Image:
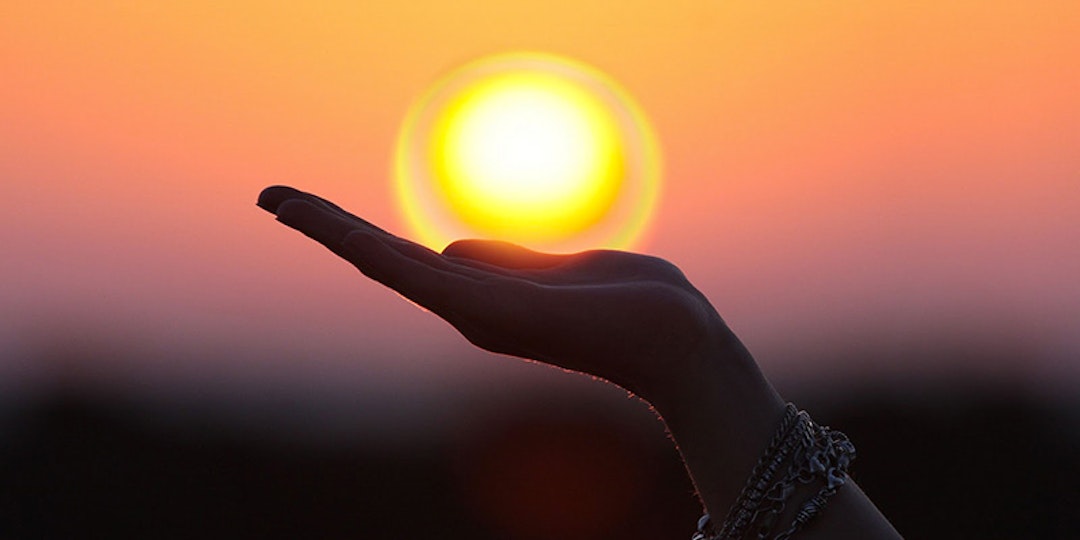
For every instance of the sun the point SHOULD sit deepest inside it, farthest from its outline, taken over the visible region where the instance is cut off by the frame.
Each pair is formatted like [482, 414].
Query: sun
[529, 156]
[529, 148]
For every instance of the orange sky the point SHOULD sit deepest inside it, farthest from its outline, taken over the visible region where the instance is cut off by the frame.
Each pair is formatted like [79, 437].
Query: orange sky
[833, 170]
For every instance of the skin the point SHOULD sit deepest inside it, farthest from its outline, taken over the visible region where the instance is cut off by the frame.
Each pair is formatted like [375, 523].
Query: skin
[632, 319]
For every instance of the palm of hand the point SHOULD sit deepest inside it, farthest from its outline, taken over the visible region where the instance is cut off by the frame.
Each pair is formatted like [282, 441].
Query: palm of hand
[632, 319]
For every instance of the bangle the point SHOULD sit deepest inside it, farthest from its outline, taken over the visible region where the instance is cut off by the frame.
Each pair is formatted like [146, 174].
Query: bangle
[816, 453]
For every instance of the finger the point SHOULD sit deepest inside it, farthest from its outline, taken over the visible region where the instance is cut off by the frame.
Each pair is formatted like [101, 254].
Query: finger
[326, 227]
[419, 274]
[503, 254]
[271, 199]
[476, 302]
[431, 258]
[330, 228]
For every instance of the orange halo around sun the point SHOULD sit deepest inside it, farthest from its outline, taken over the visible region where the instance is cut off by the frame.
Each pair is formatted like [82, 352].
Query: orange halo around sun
[530, 148]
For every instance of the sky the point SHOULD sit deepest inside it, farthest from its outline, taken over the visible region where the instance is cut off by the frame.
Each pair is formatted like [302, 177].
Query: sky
[836, 174]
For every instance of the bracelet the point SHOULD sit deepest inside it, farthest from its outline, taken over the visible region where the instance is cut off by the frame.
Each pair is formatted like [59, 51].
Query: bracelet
[744, 508]
[831, 463]
[742, 512]
[816, 453]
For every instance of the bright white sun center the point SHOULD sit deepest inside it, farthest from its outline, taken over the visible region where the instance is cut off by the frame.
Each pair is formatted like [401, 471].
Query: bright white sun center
[530, 155]
[524, 145]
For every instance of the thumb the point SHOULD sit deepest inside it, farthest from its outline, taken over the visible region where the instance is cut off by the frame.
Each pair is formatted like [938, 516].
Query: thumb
[502, 254]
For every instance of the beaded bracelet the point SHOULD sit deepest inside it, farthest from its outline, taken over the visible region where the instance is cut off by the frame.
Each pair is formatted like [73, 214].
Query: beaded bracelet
[816, 453]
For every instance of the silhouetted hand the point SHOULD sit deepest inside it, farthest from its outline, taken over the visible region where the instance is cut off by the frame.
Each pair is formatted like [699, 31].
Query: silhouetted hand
[632, 319]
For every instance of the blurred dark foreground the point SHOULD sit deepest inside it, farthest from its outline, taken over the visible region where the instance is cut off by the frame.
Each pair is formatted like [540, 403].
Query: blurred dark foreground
[980, 463]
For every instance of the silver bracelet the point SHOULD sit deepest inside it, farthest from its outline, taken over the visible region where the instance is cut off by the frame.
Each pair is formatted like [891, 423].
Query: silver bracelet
[783, 443]
[830, 464]
[816, 453]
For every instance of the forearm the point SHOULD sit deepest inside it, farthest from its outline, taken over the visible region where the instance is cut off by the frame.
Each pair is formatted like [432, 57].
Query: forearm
[722, 417]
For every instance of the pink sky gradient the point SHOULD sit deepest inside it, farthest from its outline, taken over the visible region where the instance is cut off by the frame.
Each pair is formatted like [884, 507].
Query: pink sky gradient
[834, 172]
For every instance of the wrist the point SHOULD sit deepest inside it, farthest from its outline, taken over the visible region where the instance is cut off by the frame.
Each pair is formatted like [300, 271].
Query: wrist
[721, 412]
[720, 378]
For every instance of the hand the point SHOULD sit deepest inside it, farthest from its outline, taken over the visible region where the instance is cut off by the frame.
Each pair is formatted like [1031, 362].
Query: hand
[632, 319]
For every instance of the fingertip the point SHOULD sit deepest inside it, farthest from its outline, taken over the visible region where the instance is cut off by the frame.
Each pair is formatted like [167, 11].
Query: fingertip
[294, 212]
[271, 198]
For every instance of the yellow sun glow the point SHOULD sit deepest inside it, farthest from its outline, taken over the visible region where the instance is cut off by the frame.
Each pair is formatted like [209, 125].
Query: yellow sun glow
[528, 148]
[528, 155]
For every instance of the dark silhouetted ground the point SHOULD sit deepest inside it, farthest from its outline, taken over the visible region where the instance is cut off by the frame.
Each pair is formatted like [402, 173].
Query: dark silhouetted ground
[70, 467]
